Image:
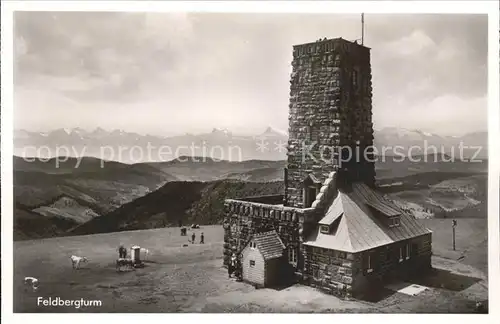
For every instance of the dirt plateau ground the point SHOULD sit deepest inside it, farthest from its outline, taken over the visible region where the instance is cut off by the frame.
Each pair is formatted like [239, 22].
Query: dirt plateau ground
[191, 279]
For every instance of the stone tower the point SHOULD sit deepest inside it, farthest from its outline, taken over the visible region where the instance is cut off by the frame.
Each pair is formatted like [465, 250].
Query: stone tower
[330, 118]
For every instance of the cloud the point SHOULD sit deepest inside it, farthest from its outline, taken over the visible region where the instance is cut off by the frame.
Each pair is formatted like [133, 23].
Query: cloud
[188, 71]
[417, 43]
[445, 115]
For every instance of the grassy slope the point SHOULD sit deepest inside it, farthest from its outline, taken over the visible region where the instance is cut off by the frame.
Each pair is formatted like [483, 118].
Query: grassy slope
[196, 169]
[390, 168]
[471, 240]
[36, 183]
[191, 279]
[100, 187]
[434, 190]
[68, 208]
[259, 175]
[29, 225]
[189, 202]
[93, 188]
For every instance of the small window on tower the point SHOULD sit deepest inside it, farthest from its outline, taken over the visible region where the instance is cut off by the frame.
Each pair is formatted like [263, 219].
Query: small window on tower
[355, 79]
[309, 196]
[292, 255]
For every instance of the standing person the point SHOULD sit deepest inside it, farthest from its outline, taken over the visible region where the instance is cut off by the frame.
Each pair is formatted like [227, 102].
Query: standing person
[122, 252]
[229, 269]
[202, 238]
[239, 275]
[230, 266]
[232, 262]
[193, 237]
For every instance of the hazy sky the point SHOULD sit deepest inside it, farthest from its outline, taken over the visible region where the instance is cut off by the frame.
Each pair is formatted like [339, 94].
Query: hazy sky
[165, 73]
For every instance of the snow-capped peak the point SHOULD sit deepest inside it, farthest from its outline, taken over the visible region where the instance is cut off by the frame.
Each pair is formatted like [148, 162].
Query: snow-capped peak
[21, 133]
[99, 130]
[118, 132]
[403, 132]
[220, 131]
[78, 130]
[273, 132]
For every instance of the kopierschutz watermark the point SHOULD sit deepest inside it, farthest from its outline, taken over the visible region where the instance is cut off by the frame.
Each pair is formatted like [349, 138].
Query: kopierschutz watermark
[60, 302]
[416, 153]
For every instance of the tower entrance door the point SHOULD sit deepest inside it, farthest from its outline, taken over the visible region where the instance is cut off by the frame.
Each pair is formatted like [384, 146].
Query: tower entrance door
[310, 195]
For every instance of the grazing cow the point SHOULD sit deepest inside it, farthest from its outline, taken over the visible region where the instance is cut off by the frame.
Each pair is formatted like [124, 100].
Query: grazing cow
[31, 281]
[76, 260]
[480, 307]
[129, 263]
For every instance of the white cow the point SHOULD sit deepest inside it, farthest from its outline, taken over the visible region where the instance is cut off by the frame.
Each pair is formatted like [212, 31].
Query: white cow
[31, 281]
[76, 260]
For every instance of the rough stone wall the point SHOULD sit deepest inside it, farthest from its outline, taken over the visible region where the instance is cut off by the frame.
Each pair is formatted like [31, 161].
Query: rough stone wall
[326, 111]
[386, 262]
[250, 215]
[243, 219]
[331, 271]
[345, 274]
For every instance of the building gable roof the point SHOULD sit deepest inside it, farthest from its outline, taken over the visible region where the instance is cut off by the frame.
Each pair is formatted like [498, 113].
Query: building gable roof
[269, 244]
[334, 211]
[375, 200]
[312, 179]
[359, 228]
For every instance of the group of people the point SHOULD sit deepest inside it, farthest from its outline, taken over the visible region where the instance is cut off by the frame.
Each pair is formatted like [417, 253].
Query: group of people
[202, 238]
[234, 267]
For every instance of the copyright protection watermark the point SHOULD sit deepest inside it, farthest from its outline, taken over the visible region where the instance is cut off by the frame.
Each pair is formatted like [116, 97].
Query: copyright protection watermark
[60, 302]
[134, 154]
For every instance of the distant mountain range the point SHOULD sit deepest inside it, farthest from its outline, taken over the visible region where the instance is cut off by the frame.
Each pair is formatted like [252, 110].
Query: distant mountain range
[407, 139]
[128, 147]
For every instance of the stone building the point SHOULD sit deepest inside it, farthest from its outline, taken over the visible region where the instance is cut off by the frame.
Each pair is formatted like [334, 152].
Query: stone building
[339, 233]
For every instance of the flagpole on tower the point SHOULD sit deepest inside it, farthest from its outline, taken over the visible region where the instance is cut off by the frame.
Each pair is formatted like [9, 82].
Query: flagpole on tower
[362, 29]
